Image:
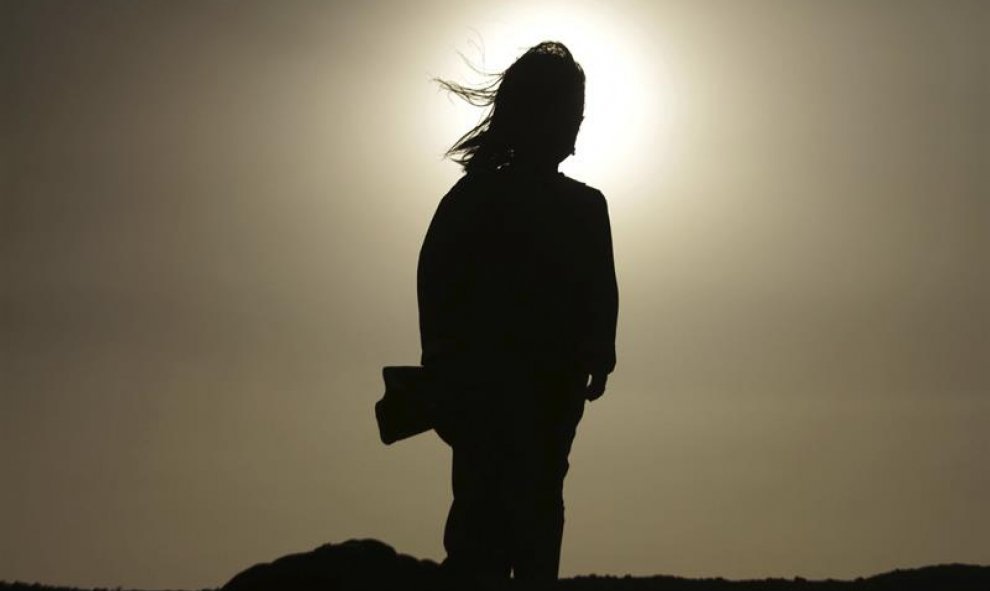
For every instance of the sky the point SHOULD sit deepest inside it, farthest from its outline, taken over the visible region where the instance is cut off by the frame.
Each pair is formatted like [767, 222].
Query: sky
[211, 212]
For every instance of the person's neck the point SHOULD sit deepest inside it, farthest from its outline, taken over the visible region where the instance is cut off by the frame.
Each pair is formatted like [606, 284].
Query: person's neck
[535, 166]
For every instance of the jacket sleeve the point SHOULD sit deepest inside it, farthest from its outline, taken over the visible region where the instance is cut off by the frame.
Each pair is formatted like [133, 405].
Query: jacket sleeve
[604, 294]
[444, 278]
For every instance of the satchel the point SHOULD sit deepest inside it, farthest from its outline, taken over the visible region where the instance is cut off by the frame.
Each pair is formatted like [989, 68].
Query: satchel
[409, 406]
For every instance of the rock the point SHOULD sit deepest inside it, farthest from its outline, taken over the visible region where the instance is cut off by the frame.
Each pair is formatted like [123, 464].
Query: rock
[350, 566]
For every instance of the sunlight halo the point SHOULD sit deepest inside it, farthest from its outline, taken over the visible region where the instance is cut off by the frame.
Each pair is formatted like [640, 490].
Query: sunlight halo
[628, 103]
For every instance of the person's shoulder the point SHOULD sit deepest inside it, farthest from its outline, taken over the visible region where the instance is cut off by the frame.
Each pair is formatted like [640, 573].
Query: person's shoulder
[472, 184]
[587, 194]
[462, 190]
[467, 197]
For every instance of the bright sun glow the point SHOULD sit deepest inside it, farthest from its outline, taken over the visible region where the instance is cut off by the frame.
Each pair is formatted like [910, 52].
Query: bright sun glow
[628, 102]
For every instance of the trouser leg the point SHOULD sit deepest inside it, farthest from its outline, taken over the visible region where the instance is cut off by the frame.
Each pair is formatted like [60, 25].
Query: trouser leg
[542, 445]
[476, 534]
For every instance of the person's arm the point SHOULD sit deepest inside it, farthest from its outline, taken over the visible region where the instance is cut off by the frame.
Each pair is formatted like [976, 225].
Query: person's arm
[443, 278]
[604, 302]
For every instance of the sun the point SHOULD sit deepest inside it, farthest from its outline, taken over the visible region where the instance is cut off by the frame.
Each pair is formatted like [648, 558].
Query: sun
[628, 102]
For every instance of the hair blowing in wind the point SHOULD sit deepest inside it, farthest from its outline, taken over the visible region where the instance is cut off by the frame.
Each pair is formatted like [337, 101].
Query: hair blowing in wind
[535, 108]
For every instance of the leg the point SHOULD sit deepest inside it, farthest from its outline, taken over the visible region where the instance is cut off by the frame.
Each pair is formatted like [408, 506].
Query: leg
[542, 442]
[475, 536]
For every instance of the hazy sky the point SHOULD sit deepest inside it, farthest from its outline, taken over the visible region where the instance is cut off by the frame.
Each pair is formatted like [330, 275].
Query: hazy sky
[210, 215]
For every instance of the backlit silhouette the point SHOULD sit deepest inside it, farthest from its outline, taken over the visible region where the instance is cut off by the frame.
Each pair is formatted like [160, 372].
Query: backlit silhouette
[518, 304]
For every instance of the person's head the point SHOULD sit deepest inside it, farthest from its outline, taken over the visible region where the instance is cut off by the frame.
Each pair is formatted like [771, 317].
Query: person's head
[535, 110]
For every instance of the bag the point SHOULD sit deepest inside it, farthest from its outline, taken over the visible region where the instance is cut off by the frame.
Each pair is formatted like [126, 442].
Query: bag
[409, 405]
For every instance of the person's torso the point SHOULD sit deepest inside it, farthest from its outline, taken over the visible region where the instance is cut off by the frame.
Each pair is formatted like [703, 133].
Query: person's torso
[531, 253]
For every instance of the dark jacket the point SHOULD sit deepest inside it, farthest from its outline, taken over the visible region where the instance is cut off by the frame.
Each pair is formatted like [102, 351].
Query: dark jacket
[517, 271]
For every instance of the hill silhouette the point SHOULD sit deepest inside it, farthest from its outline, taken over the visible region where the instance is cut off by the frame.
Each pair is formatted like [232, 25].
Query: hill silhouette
[371, 565]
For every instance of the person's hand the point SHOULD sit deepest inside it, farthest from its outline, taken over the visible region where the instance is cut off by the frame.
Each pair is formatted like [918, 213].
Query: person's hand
[596, 386]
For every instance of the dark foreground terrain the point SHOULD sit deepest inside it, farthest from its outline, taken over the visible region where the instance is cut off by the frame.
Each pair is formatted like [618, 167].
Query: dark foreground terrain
[370, 565]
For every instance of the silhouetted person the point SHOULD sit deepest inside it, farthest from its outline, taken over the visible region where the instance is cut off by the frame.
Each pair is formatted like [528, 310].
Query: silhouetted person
[518, 305]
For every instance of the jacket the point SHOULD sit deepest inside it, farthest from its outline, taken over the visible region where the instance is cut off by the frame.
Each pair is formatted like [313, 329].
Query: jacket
[517, 271]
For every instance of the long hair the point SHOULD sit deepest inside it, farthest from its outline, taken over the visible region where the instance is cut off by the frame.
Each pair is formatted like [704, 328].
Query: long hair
[535, 108]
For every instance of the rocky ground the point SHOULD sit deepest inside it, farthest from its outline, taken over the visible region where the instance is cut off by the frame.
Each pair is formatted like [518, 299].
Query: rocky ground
[370, 565]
